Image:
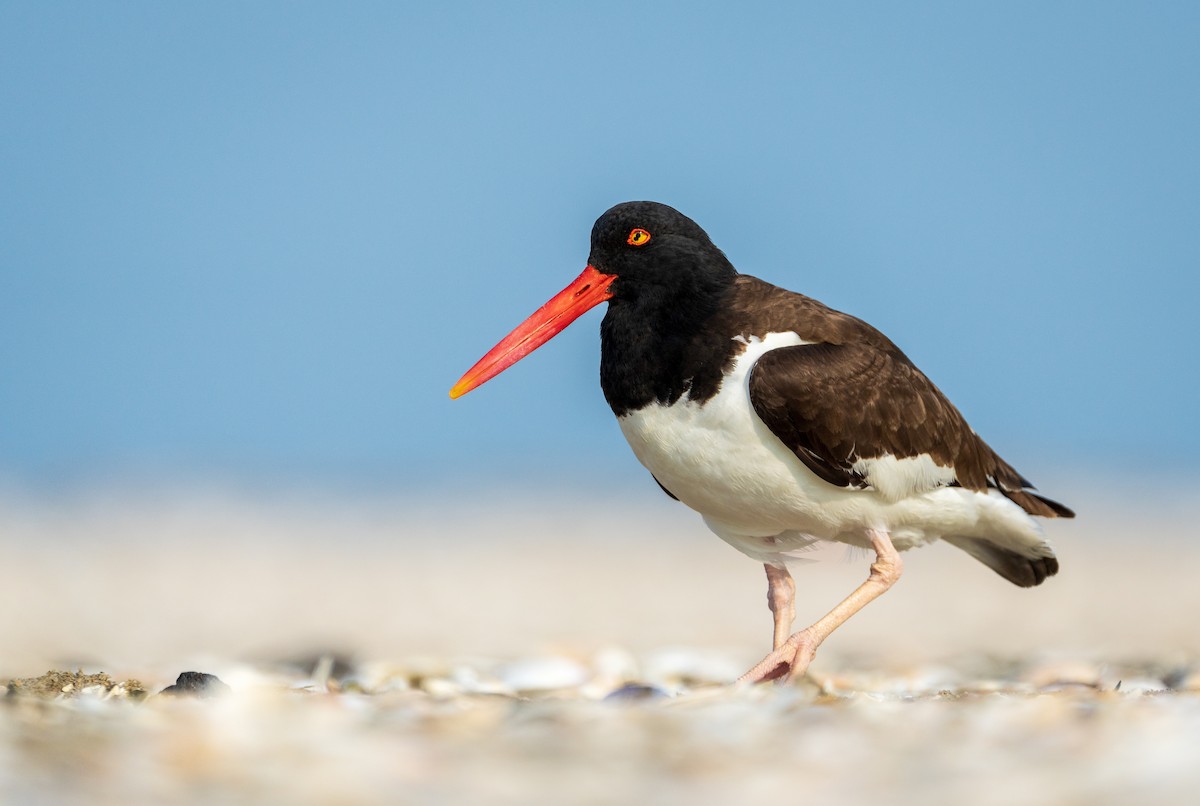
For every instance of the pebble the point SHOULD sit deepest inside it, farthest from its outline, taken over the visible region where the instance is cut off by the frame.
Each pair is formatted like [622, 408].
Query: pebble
[540, 675]
[197, 684]
[1064, 674]
[1183, 679]
[688, 668]
[634, 692]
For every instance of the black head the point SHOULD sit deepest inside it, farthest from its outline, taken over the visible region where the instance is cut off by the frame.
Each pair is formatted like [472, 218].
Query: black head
[655, 249]
[662, 278]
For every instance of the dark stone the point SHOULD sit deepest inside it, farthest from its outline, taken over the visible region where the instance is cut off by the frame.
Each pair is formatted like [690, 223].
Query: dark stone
[197, 684]
[635, 692]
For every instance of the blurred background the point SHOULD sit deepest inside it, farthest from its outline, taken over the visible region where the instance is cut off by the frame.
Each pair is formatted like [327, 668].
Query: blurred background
[245, 250]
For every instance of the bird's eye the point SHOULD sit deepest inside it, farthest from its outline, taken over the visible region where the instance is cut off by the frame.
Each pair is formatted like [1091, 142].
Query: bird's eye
[638, 237]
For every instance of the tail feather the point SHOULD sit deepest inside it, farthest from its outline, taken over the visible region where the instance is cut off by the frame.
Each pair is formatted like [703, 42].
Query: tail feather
[1020, 491]
[1036, 504]
[1016, 568]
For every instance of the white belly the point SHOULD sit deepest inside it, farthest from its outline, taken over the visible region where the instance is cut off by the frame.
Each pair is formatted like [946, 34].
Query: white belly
[721, 460]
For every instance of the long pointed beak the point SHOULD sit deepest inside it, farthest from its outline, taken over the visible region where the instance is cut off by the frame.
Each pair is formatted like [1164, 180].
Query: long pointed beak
[587, 291]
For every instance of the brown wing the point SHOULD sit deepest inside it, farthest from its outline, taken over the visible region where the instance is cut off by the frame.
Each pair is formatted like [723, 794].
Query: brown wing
[836, 404]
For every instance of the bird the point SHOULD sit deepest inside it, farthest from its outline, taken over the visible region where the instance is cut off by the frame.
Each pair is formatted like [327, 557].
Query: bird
[783, 422]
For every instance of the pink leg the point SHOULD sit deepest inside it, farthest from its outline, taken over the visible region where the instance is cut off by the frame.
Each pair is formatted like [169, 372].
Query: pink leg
[781, 595]
[794, 655]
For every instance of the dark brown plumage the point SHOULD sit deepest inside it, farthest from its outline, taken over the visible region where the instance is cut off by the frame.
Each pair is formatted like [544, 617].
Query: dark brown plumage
[801, 394]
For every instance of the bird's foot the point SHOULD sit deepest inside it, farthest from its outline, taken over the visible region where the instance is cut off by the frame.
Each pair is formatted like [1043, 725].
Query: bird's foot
[789, 662]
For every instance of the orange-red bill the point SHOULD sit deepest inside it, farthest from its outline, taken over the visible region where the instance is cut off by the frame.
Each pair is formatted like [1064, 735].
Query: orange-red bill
[587, 291]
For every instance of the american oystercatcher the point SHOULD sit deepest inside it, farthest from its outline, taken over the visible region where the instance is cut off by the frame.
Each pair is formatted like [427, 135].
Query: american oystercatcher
[781, 421]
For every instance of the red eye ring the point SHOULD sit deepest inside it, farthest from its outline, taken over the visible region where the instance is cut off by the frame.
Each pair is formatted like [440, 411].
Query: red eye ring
[638, 237]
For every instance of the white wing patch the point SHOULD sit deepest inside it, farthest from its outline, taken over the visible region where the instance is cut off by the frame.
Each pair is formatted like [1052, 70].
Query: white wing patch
[896, 479]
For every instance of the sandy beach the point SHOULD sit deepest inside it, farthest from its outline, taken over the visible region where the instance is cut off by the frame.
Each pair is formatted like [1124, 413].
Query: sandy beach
[382, 651]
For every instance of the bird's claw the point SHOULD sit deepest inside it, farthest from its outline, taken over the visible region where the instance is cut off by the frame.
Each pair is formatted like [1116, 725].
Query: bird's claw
[787, 663]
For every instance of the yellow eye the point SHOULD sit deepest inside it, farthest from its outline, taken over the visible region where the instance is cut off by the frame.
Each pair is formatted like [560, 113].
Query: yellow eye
[638, 237]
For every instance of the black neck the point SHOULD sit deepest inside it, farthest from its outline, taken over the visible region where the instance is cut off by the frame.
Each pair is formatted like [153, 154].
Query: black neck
[658, 347]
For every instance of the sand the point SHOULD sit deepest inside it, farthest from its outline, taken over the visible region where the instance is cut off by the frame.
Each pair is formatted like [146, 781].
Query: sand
[508, 650]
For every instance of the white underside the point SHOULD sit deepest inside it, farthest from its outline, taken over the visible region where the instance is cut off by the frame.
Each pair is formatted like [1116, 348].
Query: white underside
[721, 460]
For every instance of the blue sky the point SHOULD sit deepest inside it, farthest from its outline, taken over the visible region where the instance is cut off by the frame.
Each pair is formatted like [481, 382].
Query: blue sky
[260, 241]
